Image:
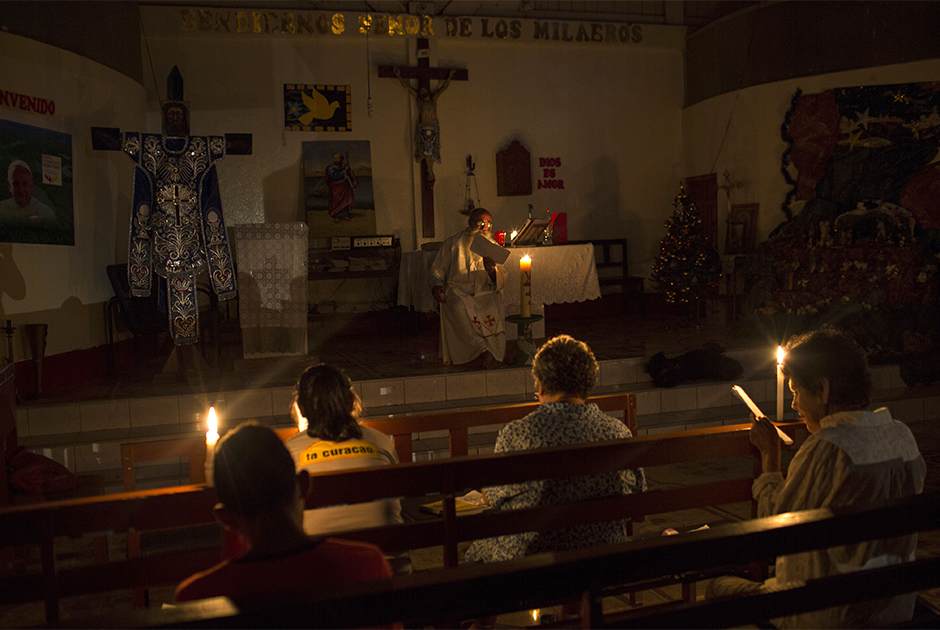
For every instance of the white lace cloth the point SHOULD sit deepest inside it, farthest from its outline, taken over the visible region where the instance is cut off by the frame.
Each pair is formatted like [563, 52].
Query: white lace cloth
[560, 273]
[272, 280]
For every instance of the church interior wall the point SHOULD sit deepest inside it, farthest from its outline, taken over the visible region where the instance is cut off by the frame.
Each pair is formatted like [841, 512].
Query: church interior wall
[66, 286]
[752, 148]
[612, 114]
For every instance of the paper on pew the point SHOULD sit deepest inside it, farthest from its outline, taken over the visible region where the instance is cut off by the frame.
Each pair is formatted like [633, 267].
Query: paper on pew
[470, 503]
[737, 389]
[485, 247]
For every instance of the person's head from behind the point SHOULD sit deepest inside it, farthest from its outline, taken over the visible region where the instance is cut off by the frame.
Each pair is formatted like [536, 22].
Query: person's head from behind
[566, 366]
[20, 182]
[828, 372]
[255, 480]
[480, 220]
[325, 401]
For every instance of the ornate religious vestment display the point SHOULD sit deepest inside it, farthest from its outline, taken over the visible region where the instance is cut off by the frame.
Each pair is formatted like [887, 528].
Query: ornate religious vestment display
[177, 228]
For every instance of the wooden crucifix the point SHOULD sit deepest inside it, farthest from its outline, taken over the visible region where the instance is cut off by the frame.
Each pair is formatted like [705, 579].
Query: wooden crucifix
[427, 133]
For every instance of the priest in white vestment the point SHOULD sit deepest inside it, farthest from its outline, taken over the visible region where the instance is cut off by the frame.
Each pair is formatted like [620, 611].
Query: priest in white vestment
[469, 289]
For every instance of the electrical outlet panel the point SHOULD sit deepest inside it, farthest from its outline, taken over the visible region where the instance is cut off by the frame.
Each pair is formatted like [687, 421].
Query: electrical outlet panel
[372, 241]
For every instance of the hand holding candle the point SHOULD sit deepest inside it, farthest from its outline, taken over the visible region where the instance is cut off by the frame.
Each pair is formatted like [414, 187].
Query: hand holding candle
[525, 286]
[212, 437]
[780, 355]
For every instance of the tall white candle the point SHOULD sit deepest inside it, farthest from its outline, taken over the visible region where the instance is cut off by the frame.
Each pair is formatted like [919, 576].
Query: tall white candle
[212, 438]
[780, 355]
[525, 285]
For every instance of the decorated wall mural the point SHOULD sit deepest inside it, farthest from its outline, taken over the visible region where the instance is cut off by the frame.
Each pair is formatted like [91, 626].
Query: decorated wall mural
[861, 244]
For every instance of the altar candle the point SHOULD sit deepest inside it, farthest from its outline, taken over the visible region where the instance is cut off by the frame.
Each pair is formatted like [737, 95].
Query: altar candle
[212, 437]
[525, 285]
[780, 355]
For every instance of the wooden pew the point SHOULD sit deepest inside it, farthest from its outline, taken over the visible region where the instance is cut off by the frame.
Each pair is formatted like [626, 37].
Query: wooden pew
[457, 422]
[440, 597]
[191, 506]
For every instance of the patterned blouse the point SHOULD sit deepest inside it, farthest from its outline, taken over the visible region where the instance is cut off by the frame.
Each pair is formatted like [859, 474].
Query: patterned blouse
[557, 424]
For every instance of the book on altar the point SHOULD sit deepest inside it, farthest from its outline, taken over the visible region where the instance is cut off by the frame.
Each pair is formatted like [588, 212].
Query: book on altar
[531, 232]
[470, 503]
[485, 247]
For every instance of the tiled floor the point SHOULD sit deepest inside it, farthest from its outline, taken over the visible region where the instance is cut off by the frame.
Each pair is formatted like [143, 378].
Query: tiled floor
[407, 347]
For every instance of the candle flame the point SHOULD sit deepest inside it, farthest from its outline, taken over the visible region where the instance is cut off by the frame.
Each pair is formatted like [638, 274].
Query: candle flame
[526, 258]
[536, 613]
[780, 354]
[212, 426]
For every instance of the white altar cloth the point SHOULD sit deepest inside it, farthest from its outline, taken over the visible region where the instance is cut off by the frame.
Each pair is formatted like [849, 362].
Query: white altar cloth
[560, 273]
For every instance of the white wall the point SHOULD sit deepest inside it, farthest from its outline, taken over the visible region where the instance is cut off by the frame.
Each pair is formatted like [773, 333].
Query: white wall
[753, 148]
[612, 113]
[65, 286]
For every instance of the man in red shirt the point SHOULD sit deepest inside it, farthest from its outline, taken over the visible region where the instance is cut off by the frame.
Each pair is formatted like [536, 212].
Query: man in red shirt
[262, 499]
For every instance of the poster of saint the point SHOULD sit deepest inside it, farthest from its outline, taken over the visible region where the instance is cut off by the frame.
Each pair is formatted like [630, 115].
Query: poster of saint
[36, 203]
[338, 190]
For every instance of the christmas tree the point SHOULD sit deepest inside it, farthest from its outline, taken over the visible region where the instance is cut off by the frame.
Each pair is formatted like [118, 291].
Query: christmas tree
[688, 266]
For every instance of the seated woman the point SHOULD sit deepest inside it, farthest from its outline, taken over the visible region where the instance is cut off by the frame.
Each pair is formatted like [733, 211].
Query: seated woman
[565, 371]
[852, 456]
[329, 438]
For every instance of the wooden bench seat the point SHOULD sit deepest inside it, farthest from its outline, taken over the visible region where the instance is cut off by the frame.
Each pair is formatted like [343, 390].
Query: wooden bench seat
[191, 506]
[443, 598]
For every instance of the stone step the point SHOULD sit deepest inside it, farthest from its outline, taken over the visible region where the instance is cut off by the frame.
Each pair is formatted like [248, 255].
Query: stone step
[86, 436]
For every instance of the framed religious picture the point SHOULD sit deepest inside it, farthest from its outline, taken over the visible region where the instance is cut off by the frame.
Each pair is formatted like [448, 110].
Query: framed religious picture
[37, 164]
[741, 236]
[318, 107]
[338, 193]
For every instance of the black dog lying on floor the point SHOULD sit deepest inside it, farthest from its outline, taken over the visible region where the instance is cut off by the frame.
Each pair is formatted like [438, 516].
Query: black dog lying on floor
[708, 363]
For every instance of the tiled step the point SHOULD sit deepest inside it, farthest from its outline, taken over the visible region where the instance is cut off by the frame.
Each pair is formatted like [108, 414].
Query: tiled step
[86, 437]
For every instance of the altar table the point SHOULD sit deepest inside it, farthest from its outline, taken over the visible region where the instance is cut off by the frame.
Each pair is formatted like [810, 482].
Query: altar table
[560, 273]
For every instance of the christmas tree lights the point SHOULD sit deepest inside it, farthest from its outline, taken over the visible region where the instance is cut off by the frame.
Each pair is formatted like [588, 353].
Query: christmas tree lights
[688, 266]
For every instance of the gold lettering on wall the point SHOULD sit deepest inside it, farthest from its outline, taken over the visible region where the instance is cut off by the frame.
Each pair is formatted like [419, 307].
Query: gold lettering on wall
[287, 23]
[222, 22]
[263, 22]
[339, 24]
[188, 20]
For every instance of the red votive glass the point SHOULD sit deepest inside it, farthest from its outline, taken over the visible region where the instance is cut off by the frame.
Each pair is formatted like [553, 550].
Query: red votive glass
[501, 238]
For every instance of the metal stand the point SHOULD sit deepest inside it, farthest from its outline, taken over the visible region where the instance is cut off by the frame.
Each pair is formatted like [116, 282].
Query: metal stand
[525, 348]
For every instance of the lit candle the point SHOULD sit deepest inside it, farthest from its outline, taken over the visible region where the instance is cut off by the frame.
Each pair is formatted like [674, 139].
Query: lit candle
[512, 238]
[212, 437]
[780, 355]
[525, 285]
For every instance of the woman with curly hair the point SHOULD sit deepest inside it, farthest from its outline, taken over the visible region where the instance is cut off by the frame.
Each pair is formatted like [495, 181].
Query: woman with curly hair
[565, 372]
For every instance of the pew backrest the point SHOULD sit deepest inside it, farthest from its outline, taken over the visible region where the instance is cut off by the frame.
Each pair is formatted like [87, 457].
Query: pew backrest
[457, 422]
[191, 506]
[450, 595]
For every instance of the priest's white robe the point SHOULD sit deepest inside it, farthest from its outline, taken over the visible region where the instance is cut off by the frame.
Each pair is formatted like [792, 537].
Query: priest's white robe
[473, 318]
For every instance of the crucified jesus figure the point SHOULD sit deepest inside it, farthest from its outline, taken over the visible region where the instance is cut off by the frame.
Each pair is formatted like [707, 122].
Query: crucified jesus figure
[428, 131]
